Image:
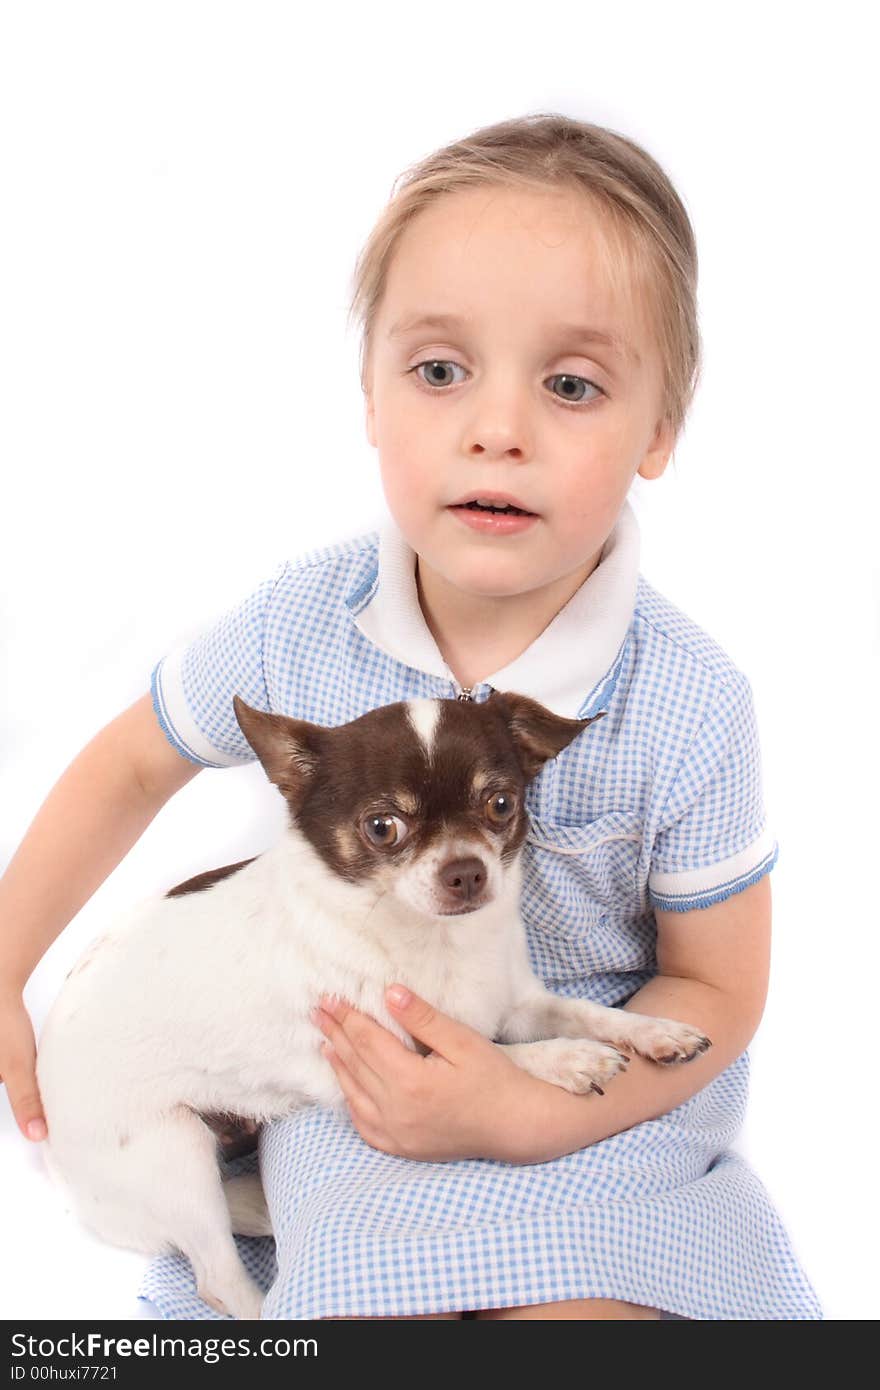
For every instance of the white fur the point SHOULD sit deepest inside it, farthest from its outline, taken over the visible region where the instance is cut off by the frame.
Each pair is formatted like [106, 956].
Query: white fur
[201, 1002]
[424, 715]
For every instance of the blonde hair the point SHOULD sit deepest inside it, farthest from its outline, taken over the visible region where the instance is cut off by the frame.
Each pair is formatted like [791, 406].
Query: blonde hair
[649, 248]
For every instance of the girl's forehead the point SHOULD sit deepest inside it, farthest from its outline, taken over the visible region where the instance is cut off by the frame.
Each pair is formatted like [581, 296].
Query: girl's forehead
[468, 225]
[470, 249]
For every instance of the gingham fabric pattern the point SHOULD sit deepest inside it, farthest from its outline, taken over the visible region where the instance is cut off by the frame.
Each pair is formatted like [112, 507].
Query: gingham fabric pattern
[665, 1214]
[657, 804]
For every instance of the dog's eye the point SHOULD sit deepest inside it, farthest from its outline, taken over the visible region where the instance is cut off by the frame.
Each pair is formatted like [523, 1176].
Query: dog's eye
[500, 808]
[384, 830]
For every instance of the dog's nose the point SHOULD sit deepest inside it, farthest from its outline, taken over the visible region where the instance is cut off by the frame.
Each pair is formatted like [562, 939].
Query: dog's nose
[464, 878]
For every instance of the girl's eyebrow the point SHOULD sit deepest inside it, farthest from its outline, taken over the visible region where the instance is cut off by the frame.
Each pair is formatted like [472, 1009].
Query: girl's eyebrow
[564, 332]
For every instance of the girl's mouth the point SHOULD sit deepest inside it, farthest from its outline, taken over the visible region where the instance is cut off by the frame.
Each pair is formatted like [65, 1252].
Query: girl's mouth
[507, 508]
[491, 520]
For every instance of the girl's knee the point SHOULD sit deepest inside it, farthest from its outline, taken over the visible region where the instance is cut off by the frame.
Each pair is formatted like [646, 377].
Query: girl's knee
[574, 1309]
[403, 1317]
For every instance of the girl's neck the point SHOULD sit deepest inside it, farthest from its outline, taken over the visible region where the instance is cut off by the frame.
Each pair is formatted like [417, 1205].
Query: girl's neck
[478, 634]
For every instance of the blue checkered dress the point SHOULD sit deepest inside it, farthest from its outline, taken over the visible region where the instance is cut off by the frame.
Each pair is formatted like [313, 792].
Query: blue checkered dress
[660, 807]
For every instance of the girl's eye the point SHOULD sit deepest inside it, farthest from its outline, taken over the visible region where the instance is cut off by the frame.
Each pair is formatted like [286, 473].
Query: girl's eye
[435, 368]
[572, 387]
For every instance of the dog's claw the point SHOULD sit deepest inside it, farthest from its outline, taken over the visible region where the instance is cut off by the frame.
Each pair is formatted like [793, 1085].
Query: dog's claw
[597, 1089]
[666, 1040]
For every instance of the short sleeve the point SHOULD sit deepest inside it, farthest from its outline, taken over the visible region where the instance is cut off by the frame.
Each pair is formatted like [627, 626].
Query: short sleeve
[193, 686]
[713, 839]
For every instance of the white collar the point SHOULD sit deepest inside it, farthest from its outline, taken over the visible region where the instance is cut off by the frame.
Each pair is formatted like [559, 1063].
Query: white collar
[565, 668]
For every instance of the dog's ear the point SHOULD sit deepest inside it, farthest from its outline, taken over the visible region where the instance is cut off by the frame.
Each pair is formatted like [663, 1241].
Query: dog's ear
[289, 749]
[538, 733]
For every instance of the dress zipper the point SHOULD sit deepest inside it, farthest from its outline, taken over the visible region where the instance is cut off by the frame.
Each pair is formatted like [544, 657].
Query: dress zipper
[464, 692]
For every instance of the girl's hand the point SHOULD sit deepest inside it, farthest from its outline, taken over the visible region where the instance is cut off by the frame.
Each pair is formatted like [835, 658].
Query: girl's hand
[18, 1054]
[465, 1099]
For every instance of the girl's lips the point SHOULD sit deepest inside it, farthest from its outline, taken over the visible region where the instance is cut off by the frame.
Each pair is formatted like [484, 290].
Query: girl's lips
[493, 523]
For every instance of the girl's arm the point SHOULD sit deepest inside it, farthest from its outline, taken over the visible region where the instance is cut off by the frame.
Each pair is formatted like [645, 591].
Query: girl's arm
[467, 1099]
[91, 818]
[714, 967]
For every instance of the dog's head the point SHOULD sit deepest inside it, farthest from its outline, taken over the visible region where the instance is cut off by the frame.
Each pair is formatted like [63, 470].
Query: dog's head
[422, 798]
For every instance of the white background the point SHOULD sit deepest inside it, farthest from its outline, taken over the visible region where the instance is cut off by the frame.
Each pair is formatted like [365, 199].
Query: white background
[185, 188]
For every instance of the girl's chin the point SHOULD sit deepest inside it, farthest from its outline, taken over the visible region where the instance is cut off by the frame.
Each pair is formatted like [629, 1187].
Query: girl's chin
[483, 576]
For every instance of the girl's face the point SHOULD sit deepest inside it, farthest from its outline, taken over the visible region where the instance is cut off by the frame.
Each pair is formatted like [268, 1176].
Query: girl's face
[514, 399]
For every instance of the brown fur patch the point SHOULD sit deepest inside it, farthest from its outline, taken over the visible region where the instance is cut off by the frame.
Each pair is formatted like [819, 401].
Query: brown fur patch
[236, 1134]
[205, 880]
[377, 764]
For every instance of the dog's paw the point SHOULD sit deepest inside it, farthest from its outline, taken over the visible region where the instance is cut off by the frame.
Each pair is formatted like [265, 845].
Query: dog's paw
[578, 1065]
[663, 1039]
[243, 1299]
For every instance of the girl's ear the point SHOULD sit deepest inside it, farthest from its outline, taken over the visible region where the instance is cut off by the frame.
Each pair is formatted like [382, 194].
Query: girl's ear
[653, 465]
[370, 419]
[369, 402]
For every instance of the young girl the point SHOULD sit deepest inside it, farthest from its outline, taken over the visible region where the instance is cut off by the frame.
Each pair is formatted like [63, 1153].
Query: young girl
[528, 307]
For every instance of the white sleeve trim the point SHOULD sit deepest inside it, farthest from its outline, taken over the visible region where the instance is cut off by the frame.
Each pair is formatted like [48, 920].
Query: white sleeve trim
[173, 714]
[680, 892]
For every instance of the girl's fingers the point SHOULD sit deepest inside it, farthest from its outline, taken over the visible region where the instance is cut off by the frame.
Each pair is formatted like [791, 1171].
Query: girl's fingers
[358, 1101]
[361, 1072]
[370, 1051]
[449, 1039]
[24, 1097]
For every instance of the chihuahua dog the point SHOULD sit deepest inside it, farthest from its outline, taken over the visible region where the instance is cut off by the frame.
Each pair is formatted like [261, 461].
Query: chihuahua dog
[401, 862]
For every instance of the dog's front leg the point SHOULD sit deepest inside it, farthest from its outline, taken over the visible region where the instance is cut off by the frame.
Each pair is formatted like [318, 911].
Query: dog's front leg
[531, 1032]
[540, 1014]
[576, 1064]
